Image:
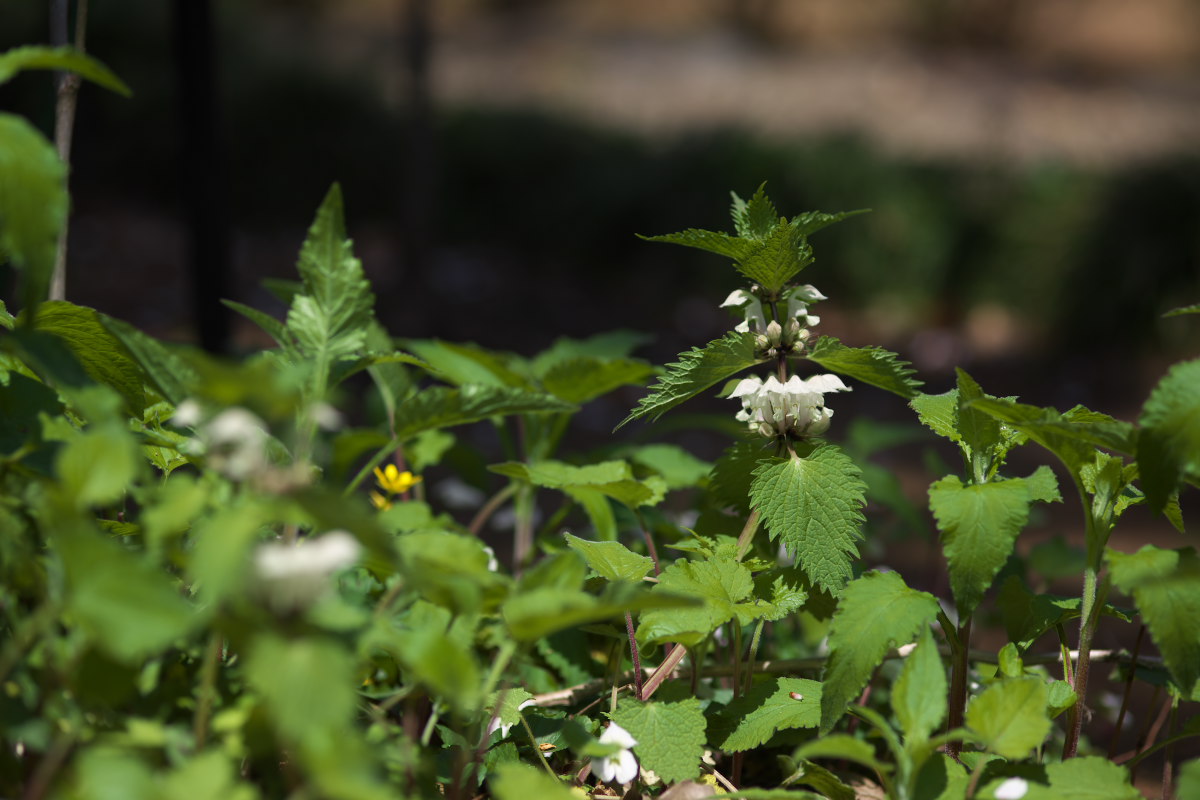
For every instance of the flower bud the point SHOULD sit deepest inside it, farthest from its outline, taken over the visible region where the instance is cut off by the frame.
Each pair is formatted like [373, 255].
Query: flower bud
[774, 333]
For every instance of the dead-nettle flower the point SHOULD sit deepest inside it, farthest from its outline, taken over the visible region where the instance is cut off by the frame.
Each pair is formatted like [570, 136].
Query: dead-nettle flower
[295, 575]
[621, 766]
[234, 441]
[797, 300]
[505, 727]
[795, 408]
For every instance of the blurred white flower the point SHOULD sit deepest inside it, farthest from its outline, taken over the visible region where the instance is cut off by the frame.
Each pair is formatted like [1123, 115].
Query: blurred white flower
[236, 442]
[327, 417]
[796, 407]
[503, 727]
[297, 574]
[1012, 789]
[621, 766]
[187, 414]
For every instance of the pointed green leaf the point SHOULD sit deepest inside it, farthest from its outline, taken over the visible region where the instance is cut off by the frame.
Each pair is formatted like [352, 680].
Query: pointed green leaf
[720, 243]
[1168, 445]
[1084, 778]
[776, 259]
[1177, 312]
[812, 221]
[757, 218]
[813, 505]
[61, 58]
[612, 561]
[679, 468]
[1189, 778]
[273, 327]
[536, 613]
[612, 478]
[872, 365]
[1027, 616]
[445, 666]
[979, 524]
[517, 781]
[1071, 436]
[695, 371]
[1010, 716]
[919, 694]
[777, 593]
[461, 364]
[770, 706]
[670, 736]
[103, 357]
[173, 377]
[875, 613]
[606, 346]
[1165, 585]
[717, 584]
[440, 407]
[841, 747]
[33, 204]
[579, 380]
[938, 412]
[981, 436]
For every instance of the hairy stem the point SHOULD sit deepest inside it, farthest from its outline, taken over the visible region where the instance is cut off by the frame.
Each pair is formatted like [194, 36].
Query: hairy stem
[1087, 628]
[747, 536]
[959, 667]
[634, 656]
[64, 119]
[651, 550]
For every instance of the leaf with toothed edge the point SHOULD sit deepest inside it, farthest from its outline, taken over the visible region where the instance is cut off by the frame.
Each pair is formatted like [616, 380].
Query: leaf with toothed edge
[880, 368]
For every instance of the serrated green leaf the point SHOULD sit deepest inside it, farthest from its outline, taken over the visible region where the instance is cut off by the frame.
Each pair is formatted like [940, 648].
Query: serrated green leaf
[611, 478]
[754, 219]
[103, 357]
[979, 524]
[938, 412]
[812, 221]
[328, 321]
[720, 243]
[273, 327]
[980, 432]
[33, 204]
[769, 707]
[777, 258]
[517, 781]
[510, 700]
[60, 58]
[612, 561]
[813, 505]
[696, 370]
[670, 736]
[1010, 716]
[1071, 436]
[777, 593]
[170, 375]
[718, 584]
[579, 380]
[1165, 585]
[872, 365]
[461, 364]
[441, 407]
[875, 613]
[919, 694]
[1168, 445]
[1085, 778]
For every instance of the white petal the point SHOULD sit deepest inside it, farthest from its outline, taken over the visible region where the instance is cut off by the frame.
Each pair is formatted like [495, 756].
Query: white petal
[626, 768]
[808, 293]
[615, 734]
[826, 383]
[772, 385]
[736, 298]
[746, 386]
[187, 414]
[1012, 789]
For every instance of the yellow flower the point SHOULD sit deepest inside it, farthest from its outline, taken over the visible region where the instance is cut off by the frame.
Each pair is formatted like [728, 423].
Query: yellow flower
[393, 481]
[380, 502]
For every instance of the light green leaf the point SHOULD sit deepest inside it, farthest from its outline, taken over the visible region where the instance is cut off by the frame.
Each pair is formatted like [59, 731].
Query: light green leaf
[1071, 436]
[443, 665]
[770, 706]
[813, 505]
[222, 543]
[612, 561]
[440, 407]
[97, 466]
[979, 524]
[307, 684]
[131, 609]
[1010, 716]
[919, 694]
[1177, 312]
[777, 593]
[60, 58]
[537, 613]
[697, 370]
[206, 776]
[517, 781]
[875, 613]
[33, 204]
[1168, 445]
[101, 354]
[273, 327]
[450, 570]
[1085, 778]
[509, 711]
[1189, 781]
[1165, 585]
[840, 746]
[981, 436]
[755, 219]
[328, 321]
[598, 509]
[718, 584]
[939, 412]
[579, 380]
[612, 478]
[461, 364]
[670, 736]
[679, 468]
[872, 365]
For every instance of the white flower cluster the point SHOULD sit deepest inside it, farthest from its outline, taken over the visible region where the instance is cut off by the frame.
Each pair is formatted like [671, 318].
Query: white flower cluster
[797, 300]
[296, 575]
[235, 440]
[621, 766]
[795, 408]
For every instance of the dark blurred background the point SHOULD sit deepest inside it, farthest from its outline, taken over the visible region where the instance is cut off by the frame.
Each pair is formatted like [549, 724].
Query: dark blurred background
[1032, 165]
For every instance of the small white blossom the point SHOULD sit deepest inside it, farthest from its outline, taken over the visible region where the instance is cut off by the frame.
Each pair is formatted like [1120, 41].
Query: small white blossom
[796, 299]
[327, 417]
[296, 575]
[187, 414]
[751, 306]
[796, 407]
[236, 441]
[1012, 789]
[621, 766]
[505, 727]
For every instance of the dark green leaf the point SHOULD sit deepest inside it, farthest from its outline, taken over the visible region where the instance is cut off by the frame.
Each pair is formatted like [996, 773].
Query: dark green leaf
[872, 365]
[440, 407]
[770, 706]
[670, 736]
[919, 694]
[579, 380]
[1168, 445]
[101, 354]
[60, 58]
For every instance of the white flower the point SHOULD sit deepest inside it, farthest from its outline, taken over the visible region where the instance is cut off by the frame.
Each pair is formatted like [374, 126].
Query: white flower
[797, 300]
[621, 766]
[796, 407]
[751, 305]
[187, 414]
[1012, 789]
[505, 727]
[298, 574]
[237, 443]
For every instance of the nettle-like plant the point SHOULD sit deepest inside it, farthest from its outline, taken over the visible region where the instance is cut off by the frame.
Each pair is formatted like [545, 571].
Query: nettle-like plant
[227, 580]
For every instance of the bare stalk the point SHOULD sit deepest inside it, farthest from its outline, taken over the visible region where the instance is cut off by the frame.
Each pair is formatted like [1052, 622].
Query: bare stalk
[64, 119]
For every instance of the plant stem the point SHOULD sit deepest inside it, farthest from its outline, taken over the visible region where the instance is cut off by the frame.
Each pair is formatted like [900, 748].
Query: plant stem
[1116, 737]
[523, 533]
[651, 550]
[959, 668]
[668, 665]
[737, 662]
[1169, 755]
[490, 507]
[533, 741]
[635, 656]
[208, 690]
[64, 120]
[754, 640]
[747, 536]
[1087, 628]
